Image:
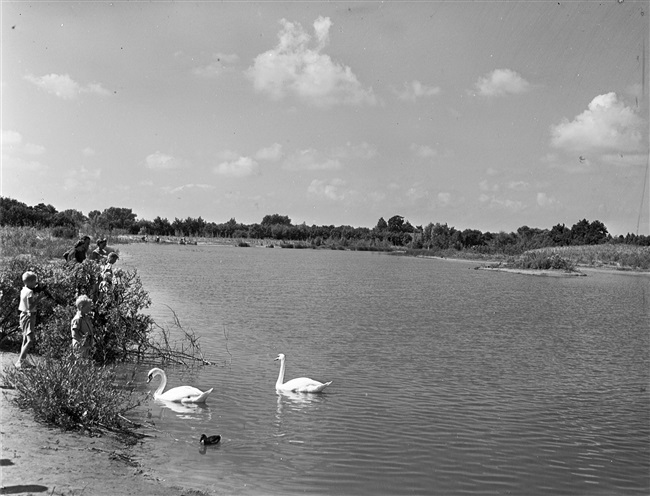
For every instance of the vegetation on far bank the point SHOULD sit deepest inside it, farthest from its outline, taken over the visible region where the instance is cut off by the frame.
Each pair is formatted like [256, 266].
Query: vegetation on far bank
[385, 235]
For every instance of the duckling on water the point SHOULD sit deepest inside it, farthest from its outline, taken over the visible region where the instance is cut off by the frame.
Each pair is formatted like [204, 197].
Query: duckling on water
[209, 439]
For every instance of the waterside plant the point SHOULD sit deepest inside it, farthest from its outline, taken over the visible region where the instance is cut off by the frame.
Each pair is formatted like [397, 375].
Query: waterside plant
[64, 390]
[74, 394]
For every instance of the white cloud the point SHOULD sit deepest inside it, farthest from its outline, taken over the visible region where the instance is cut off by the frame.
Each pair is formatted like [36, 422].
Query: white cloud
[423, 151]
[271, 153]
[607, 126]
[331, 190]
[310, 159]
[12, 142]
[363, 150]
[82, 178]
[185, 187]
[162, 161]
[88, 152]
[518, 185]
[444, 199]
[242, 167]
[543, 200]
[415, 89]
[501, 82]
[501, 204]
[292, 67]
[63, 86]
[484, 185]
[220, 64]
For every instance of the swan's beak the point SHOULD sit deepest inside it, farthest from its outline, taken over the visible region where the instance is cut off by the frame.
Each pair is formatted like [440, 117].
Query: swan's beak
[276, 358]
[148, 379]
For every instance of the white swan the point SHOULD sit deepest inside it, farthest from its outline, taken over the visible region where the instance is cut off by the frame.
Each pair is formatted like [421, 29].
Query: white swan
[298, 385]
[180, 394]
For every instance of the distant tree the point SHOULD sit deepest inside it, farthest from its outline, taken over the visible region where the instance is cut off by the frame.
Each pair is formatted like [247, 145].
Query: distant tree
[118, 218]
[270, 220]
[472, 237]
[396, 224]
[560, 235]
[381, 225]
[161, 227]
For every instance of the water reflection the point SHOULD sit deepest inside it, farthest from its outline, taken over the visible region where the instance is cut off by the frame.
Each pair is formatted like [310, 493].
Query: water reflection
[297, 401]
[183, 411]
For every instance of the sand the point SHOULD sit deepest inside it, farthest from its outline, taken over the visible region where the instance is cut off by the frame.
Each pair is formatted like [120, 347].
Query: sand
[36, 459]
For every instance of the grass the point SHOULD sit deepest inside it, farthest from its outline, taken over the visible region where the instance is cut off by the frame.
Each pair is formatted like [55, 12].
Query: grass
[616, 256]
[39, 243]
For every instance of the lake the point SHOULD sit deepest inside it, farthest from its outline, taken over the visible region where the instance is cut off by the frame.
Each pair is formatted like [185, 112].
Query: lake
[445, 380]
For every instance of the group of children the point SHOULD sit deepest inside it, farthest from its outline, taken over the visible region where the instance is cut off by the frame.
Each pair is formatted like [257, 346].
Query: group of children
[81, 325]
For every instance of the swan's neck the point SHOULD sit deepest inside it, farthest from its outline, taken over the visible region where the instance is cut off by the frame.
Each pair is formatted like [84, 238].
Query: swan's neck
[161, 386]
[280, 380]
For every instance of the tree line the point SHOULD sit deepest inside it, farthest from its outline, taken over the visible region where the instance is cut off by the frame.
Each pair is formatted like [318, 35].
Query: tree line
[394, 232]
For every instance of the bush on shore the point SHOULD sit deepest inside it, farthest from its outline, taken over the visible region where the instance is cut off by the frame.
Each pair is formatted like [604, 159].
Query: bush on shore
[121, 330]
[73, 394]
[61, 389]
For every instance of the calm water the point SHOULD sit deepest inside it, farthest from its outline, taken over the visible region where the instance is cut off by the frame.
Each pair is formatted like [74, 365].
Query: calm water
[446, 380]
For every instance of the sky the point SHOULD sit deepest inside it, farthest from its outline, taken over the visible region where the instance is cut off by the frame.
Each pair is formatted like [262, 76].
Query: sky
[488, 115]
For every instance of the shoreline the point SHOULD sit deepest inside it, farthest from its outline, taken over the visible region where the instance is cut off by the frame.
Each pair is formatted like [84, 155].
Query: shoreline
[36, 458]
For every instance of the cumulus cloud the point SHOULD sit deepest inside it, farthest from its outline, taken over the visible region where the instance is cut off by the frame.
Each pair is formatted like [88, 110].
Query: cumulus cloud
[294, 67]
[191, 186]
[241, 167]
[443, 198]
[83, 178]
[415, 89]
[607, 126]
[162, 161]
[518, 185]
[271, 153]
[331, 190]
[501, 204]
[63, 86]
[310, 159]
[363, 150]
[501, 82]
[423, 151]
[220, 63]
[12, 141]
[545, 201]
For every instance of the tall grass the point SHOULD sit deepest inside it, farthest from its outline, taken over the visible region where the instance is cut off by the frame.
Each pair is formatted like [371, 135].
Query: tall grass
[617, 256]
[40, 243]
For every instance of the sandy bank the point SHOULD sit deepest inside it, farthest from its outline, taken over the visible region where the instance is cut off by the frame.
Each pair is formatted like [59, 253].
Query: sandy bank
[36, 459]
[533, 272]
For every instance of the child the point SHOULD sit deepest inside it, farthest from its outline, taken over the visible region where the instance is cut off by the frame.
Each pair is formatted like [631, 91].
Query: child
[110, 260]
[27, 307]
[99, 254]
[82, 327]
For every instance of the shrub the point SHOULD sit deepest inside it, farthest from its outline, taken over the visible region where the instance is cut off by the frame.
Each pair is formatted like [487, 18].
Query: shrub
[72, 393]
[120, 328]
[64, 232]
[543, 260]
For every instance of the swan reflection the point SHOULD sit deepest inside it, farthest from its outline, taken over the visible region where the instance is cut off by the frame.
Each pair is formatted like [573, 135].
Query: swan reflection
[297, 401]
[185, 411]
